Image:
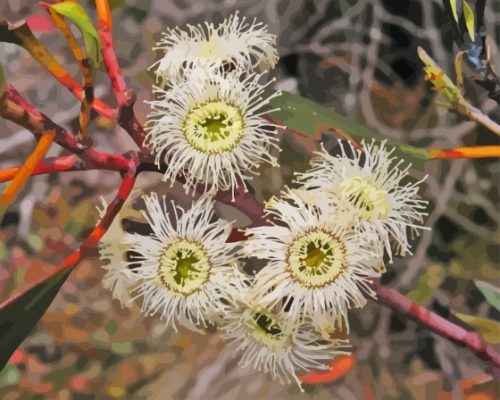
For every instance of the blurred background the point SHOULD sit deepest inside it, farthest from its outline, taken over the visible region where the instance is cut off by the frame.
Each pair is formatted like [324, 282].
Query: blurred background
[357, 56]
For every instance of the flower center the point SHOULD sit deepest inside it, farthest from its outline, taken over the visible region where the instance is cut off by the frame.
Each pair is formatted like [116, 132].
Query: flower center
[371, 201]
[214, 127]
[184, 267]
[316, 259]
[265, 329]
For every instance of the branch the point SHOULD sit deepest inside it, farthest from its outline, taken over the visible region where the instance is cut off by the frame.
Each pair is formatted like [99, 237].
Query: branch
[437, 324]
[93, 238]
[20, 34]
[14, 107]
[85, 68]
[98, 160]
[125, 97]
[16, 186]
[108, 53]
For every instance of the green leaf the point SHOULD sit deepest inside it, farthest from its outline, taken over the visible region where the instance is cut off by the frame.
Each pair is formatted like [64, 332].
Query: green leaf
[453, 4]
[76, 14]
[490, 292]
[469, 19]
[19, 315]
[311, 118]
[487, 328]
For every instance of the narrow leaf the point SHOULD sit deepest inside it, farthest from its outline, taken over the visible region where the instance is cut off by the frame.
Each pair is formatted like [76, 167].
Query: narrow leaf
[490, 292]
[487, 328]
[453, 4]
[469, 19]
[76, 14]
[19, 315]
[310, 118]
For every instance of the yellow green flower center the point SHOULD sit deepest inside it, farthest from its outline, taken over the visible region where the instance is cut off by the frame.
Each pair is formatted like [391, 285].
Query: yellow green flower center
[184, 267]
[265, 329]
[214, 127]
[316, 259]
[371, 201]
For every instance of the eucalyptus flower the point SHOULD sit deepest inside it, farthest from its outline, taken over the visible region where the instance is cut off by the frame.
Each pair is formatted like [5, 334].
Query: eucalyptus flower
[269, 341]
[113, 251]
[372, 185]
[317, 266]
[235, 43]
[185, 267]
[209, 129]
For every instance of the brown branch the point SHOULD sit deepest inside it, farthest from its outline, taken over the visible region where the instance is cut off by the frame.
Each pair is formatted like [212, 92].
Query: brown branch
[437, 324]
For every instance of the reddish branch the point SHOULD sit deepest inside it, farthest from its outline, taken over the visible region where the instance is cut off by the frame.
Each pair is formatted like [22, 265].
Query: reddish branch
[437, 324]
[14, 107]
[97, 233]
[125, 97]
[98, 160]
[21, 35]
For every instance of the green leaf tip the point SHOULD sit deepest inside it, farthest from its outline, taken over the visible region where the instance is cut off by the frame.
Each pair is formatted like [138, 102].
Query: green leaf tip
[77, 14]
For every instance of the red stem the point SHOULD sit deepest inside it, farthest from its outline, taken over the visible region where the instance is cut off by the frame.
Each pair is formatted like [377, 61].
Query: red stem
[437, 324]
[124, 96]
[100, 229]
[17, 109]
[111, 63]
[97, 160]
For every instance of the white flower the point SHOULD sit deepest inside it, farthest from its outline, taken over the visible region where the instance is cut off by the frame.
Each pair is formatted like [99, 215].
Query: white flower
[185, 267]
[210, 129]
[317, 266]
[369, 185]
[272, 343]
[234, 43]
[113, 251]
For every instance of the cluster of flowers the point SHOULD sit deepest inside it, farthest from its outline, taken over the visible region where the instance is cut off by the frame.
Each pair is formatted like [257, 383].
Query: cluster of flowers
[327, 237]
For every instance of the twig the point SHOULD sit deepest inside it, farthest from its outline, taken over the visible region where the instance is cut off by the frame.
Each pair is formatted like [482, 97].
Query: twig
[85, 68]
[20, 34]
[14, 107]
[108, 53]
[102, 161]
[125, 97]
[16, 186]
[437, 324]
[100, 229]
[444, 85]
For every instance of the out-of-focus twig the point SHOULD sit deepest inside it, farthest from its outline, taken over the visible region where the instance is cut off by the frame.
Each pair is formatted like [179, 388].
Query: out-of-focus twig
[437, 324]
[444, 85]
